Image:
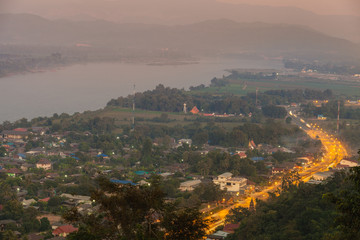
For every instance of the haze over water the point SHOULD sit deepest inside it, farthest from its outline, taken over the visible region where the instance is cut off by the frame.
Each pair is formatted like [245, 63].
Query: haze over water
[90, 86]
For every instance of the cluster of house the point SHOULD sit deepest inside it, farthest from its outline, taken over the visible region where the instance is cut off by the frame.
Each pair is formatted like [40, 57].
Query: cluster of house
[196, 111]
[59, 230]
[226, 181]
[222, 234]
[344, 164]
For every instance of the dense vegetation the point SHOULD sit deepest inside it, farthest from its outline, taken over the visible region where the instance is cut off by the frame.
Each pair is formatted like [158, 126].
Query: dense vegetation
[306, 211]
[330, 110]
[130, 212]
[334, 68]
[172, 100]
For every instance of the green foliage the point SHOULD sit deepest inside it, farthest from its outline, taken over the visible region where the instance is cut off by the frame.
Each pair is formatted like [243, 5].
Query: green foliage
[348, 205]
[330, 110]
[13, 209]
[187, 223]
[3, 152]
[130, 212]
[274, 111]
[54, 201]
[209, 192]
[8, 235]
[299, 212]
[333, 68]
[237, 214]
[44, 224]
[29, 221]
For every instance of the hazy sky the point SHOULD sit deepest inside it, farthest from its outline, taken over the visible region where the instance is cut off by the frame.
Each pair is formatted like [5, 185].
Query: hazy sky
[337, 7]
[57, 8]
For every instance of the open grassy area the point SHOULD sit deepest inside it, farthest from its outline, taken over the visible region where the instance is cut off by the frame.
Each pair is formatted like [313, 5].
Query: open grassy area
[244, 86]
[124, 116]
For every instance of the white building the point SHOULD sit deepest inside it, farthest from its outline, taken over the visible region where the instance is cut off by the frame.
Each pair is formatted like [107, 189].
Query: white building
[44, 164]
[189, 185]
[349, 163]
[231, 184]
[182, 141]
[321, 176]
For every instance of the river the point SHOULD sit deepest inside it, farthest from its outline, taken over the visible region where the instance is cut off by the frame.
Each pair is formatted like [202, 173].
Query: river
[84, 87]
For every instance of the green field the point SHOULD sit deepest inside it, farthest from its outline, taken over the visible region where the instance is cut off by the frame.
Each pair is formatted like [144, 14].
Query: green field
[124, 116]
[244, 86]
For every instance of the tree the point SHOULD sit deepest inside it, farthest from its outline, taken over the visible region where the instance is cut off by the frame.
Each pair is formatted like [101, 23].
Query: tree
[288, 120]
[274, 111]
[290, 181]
[131, 212]
[45, 224]
[237, 214]
[13, 209]
[209, 192]
[187, 223]
[124, 211]
[8, 235]
[348, 205]
[84, 147]
[3, 152]
[29, 221]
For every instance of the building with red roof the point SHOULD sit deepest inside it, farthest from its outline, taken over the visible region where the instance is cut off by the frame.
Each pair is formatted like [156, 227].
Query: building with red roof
[230, 228]
[195, 110]
[20, 129]
[44, 199]
[64, 230]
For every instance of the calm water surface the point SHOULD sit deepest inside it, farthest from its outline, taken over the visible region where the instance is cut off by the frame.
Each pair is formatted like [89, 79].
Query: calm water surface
[90, 86]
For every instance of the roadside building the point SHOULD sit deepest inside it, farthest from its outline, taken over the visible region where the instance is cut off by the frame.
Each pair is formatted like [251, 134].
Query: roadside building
[350, 163]
[231, 184]
[36, 151]
[77, 199]
[64, 230]
[277, 170]
[230, 228]
[13, 172]
[321, 176]
[26, 166]
[15, 134]
[182, 141]
[241, 154]
[219, 235]
[122, 182]
[44, 164]
[189, 185]
[28, 202]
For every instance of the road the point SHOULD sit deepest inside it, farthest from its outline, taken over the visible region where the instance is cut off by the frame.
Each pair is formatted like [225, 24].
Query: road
[333, 152]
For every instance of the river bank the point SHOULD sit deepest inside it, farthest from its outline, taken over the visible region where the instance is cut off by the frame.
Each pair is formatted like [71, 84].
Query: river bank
[89, 86]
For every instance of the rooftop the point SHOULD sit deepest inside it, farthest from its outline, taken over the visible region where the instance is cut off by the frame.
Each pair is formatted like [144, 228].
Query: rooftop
[225, 175]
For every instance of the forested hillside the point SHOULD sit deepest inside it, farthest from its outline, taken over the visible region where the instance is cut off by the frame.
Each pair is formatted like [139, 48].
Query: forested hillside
[326, 211]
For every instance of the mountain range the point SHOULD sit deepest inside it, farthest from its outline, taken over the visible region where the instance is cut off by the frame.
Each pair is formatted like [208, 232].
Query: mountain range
[221, 36]
[174, 12]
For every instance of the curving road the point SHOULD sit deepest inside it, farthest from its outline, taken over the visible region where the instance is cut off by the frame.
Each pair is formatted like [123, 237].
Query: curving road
[333, 153]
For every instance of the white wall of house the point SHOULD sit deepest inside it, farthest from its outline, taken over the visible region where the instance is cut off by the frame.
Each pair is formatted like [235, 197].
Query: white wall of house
[231, 184]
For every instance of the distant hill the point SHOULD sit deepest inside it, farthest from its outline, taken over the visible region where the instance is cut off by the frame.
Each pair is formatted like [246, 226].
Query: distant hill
[220, 36]
[171, 12]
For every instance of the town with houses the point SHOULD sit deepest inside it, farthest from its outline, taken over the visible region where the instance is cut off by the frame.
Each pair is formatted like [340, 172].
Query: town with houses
[47, 176]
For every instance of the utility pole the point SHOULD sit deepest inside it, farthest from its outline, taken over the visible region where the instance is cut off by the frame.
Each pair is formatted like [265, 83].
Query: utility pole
[133, 111]
[256, 99]
[338, 117]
